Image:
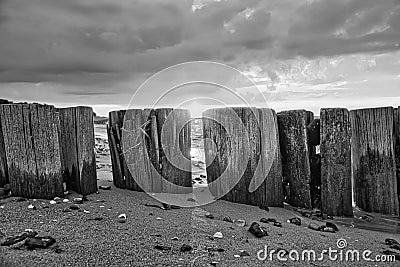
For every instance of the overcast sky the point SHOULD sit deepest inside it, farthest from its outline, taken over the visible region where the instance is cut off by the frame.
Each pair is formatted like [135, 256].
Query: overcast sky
[300, 53]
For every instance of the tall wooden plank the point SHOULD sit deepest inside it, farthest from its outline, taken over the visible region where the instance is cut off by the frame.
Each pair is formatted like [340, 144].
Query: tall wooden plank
[397, 147]
[116, 119]
[133, 144]
[3, 160]
[85, 144]
[242, 155]
[295, 151]
[68, 146]
[174, 149]
[32, 150]
[374, 169]
[336, 188]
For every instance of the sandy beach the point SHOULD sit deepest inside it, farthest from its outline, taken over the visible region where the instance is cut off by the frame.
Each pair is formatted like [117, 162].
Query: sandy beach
[92, 235]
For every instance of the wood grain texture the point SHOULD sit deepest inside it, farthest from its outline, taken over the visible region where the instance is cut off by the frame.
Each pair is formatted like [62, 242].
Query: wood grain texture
[397, 147]
[116, 119]
[3, 160]
[374, 169]
[296, 152]
[225, 144]
[32, 148]
[85, 143]
[174, 146]
[336, 187]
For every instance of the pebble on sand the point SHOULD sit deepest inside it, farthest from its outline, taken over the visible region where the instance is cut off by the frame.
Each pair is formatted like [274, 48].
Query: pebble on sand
[240, 223]
[122, 218]
[218, 235]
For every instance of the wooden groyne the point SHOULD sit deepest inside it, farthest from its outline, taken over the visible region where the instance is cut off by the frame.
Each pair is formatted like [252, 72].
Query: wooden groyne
[38, 150]
[150, 149]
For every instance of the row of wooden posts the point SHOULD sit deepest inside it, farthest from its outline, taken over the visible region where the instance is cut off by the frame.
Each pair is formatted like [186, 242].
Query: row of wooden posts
[44, 151]
[359, 153]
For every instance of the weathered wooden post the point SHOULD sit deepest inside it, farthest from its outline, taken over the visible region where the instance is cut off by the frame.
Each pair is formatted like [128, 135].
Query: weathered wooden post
[397, 147]
[374, 168]
[77, 149]
[114, 131]
[32, 149]
[261, 170]
[174, 140]
[296, 152]
[336, 189]
[3, 161]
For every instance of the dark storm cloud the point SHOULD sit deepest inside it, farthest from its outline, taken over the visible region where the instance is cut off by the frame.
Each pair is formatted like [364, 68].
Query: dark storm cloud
[81, 41]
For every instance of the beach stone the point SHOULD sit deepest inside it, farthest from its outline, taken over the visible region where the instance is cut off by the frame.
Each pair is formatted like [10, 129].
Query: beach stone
[186, 248]
[74, 207]
[264, 207]
[209, 216]
[122, 218]
[328, 230]
[390, 242]
[277, 224]
[267, 220]
[65, 200]
[332, 225]
[57, 199]
[105, 187]
[31, 207]
[228, 219]
[18, 238]
[218, 235]
[244, 253]
[295, 220]
[53, 202]
[240, 223]
[314, 226]
[78, 200]
[257, 230]
[214, 263]
[175, 238]
[39, 242]
[162, 248]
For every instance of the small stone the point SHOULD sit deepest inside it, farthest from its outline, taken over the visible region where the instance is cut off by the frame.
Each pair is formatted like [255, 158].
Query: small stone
[295, 220]
[54, 220]
[39, 242]
[240, 223]
[186, 248]
[175, 238]
[314, 226]
[105, 187]
[209, 216]
[236, 256]
[244, 253]
[122, 218]
[65, 200]
[66, 193]
[45, 207]
[163, 248]
[264, 207]
[257, 230]
[53, 202]
[31, 207]
[267, 220]
[57, 199]
[329, 230]
[277, 224]
[74, 207]
[218, 235]
[333, 226]
[228, 219]
[159, 218]
[390, 242]
[214, 263]
[86, 211]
